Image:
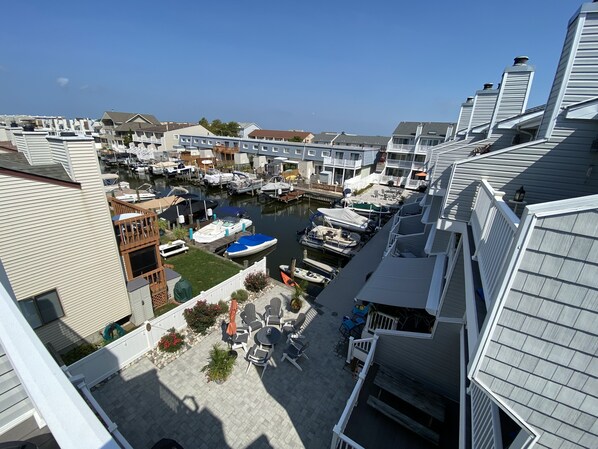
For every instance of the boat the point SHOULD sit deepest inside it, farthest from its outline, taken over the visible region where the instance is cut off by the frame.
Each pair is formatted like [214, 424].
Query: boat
[287, 280]
[368, 209]
[215, 177]
[144, 192]
[112, 182]
[160, 168]
[243, 183]
[302, 273]
[178, 169]
[276, 186]
[331, 239]
[323, 267]
[221, 227]
[189, 204]
[345, 218]
[250, 244]
[139, 167]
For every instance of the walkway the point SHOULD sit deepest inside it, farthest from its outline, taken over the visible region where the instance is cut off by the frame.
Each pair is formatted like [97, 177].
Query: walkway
[286, 409]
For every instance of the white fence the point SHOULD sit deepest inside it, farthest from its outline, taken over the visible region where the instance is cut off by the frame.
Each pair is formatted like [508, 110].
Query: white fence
[118, 354]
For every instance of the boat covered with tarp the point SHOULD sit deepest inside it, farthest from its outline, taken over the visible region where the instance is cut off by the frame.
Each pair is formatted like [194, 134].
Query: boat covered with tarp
[250, 244]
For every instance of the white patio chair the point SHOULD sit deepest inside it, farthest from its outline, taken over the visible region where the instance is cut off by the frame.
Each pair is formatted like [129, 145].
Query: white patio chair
[259, 357]
[294, 351]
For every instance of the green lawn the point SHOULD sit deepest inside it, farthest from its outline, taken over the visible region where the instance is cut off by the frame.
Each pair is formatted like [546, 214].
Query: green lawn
[203, 270]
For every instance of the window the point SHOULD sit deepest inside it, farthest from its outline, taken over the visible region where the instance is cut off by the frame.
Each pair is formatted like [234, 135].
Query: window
[325, 153]
[176, 136]
[203, 141]
[420, 158]
[298, 151]
[255, 147]
[42, 309]
[245, 146]
[274, 149]
[285, 150]
[209, 142]
[264, 148]
[311, 152]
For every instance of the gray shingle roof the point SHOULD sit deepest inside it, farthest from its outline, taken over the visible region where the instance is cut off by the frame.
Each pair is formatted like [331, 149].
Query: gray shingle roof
[18, 162]
[345, 139]
[122, 117]
[430, 128]
[324, 137]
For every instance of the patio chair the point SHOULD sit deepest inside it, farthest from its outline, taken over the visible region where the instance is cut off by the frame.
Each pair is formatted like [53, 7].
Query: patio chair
[351, 328]
[273, 313]
[259, 357]
[294, 351]
[240, 339]
[250, 318]
[293, 327]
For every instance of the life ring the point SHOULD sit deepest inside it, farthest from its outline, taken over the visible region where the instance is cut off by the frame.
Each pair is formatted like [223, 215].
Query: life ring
[109, 331]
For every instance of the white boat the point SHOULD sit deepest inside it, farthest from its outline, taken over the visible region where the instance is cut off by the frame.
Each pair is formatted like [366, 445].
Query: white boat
[179, 169]
[250, 244]
[112, 182]
[144, 192]
[304, 274]
[345, 218]
[222, 227]
[323, 267]
[331, 239]
[243, 183]
[276, 186]
[215, 177]
[160, 168]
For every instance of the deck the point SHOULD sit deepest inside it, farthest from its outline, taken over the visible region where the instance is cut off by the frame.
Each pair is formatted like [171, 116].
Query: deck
[220, 245]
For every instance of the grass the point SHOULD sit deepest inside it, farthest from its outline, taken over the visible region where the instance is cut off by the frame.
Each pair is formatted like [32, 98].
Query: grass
[165, 308]
[203, 270]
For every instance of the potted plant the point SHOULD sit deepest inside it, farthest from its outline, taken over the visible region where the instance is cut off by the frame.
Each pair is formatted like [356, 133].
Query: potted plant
[297, 298]
[220, 364]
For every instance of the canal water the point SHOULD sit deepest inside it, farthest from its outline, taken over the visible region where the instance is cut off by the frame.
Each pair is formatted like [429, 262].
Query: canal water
[269, 217]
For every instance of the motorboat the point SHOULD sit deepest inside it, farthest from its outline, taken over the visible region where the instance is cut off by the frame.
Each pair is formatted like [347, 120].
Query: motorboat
[144, 192]
[221, 227]
[250, 244]
[302, 273]
[112, 182]
[189, 205]
[323, 267]
[179, 169]
[243, 183]
[331, 239]
[276, 186]
[139, 167]
[215, 177]
[345, 218]
[368, 209]
[160, 168]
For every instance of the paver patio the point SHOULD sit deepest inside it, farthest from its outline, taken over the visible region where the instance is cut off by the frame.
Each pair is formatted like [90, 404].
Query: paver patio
[288, 408]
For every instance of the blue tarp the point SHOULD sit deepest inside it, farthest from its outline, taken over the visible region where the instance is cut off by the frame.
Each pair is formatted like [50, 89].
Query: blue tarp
[248, 241]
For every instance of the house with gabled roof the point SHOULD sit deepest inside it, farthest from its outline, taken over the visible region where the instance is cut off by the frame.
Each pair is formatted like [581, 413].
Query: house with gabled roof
[116, 125]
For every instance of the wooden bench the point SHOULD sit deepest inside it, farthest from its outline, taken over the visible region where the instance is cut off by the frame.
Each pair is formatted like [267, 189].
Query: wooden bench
[404, 420]
[411, 392]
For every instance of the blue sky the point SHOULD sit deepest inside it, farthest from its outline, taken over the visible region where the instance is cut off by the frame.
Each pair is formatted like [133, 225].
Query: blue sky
[354, 66]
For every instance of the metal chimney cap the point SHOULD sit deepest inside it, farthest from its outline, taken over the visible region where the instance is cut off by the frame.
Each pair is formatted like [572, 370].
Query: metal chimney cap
[468, 99]
[521, 60]
[488, 86]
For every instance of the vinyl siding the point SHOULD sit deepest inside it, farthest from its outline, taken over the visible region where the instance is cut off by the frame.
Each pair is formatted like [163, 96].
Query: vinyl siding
[14, 401]
[483, 107]
[56, 237]
[60, 156]
[464, 117]
[453, 301]
[513, 95]
[34, 146]
[433, 362]
[549, 171]
[541, 358]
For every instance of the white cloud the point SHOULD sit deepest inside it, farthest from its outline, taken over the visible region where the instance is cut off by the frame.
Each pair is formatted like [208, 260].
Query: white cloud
[62, 81]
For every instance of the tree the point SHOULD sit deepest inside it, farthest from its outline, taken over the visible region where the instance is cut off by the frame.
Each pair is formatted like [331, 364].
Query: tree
[230, 129]
[128, 138]
[295, 139]
[204, 122]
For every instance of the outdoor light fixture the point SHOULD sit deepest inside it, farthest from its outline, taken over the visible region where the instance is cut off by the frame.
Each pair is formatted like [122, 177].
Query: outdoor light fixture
[519, 195]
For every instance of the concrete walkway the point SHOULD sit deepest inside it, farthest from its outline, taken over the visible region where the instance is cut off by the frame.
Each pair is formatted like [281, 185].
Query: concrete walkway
[288, 408]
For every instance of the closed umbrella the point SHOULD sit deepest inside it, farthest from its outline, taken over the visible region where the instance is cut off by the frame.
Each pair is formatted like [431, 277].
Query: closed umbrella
[231, 329]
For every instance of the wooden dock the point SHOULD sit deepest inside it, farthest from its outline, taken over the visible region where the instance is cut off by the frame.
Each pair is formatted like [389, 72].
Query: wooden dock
[295, 195]
[220, 245]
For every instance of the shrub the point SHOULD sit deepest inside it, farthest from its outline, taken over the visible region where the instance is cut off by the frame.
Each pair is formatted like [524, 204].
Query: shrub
[256, 282]
[201, 316]
[240, 295]
[78, 352]
[223, 306]
[179, 233]
[171, 342]
[220, 364]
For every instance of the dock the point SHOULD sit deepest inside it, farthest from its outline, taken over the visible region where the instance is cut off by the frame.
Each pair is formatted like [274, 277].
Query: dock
[286, 198]
[220, 245]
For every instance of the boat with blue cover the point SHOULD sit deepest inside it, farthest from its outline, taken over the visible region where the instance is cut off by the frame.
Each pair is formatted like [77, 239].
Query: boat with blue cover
[250, 244]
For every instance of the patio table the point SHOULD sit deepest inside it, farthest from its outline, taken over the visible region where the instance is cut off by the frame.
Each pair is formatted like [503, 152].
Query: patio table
[268, 336]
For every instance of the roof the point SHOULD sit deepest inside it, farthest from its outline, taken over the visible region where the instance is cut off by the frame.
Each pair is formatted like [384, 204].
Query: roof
[259, 133]
[324, 137]
[346, 139]
[17, 163]
[7, 146]
[430, 128]
[171, 126]
[244, 125]
[122, 117]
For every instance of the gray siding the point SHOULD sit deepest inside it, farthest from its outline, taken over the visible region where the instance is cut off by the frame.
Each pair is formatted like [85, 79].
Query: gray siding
[483, 107]
[514, 88]
[541, 359]
[453, 301]
[441, 241]
[432, 362]
[464, 116]
[549, 171]
[14, 401]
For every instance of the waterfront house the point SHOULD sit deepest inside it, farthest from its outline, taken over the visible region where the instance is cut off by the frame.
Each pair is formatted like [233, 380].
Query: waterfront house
[509, 299]
[281, 136]
[246, 128]
[117, 125]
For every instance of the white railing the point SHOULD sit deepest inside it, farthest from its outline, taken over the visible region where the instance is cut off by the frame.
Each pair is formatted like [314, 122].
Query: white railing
[493, 226]
[485, 427]
[396, 163]
[362, 344]
[113, 357]
[401, 147]
[339, 440]
[342, 163]
[379, 320]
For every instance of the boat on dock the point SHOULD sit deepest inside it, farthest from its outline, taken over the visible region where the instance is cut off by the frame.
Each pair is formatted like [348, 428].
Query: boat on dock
[367, 209]
[309, 276]
[276, 186]
[188, 204]
[323, 267]
[112, 182]
[244, 183]
[330, 239]
[144, 192]
[215, 177]
[346, 219]
[221, 227]
[250, 244]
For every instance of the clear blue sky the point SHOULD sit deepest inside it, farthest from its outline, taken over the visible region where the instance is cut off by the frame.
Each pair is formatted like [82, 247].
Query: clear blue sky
[354, 66]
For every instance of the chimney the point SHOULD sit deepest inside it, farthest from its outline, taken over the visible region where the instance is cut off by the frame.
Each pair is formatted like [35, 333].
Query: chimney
[575, 78]
[464, 115]
[483, 107]
[513, 92]
[78, 156]
[34, 146]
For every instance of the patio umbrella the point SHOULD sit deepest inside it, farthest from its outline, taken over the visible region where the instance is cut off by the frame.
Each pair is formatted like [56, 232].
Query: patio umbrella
[231, 329]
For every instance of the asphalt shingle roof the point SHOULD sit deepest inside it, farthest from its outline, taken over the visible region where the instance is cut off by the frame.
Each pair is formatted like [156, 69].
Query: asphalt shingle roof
[345, 139]
[122, 117]
[430, 128]
[18, 162]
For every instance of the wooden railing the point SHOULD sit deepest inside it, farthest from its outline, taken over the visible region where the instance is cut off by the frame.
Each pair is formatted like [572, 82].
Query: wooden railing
[136, 231]
[156, 279]
[362, 344]
[339, 439]
[493, 226]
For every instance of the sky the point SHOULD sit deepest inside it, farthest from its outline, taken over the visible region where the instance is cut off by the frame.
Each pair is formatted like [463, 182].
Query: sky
[355, 66]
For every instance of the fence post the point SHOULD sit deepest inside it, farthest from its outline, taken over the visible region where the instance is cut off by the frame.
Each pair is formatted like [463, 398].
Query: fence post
[147, 335]
[350, 350]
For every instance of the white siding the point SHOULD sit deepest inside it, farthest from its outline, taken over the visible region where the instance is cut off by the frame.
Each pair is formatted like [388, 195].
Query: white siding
[60, 156]
[14, 401]
[541, 358]
[34, 146]
[62, 237]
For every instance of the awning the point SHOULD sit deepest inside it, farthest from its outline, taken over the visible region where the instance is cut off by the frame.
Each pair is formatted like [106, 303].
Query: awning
[421, 174]
[400, 282]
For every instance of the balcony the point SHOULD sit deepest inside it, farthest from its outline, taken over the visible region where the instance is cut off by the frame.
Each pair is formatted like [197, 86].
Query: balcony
[401, 147]
[134, 231]
[342, 163]
[395, 163]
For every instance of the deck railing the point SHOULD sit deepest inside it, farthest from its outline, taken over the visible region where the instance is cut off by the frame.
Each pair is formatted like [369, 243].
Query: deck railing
[493, 226]
[379, 320]
[339, 439]
[135, 231]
